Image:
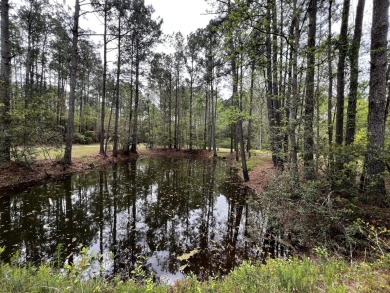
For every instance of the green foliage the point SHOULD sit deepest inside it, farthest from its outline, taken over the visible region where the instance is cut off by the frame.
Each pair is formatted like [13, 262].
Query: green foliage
[296, 275]
[278, 275]
[231, 115]
[83, 139]
[325, 220]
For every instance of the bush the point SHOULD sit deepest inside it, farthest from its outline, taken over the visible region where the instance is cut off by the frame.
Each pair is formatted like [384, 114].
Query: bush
[90, 136]
[78, 138]
[88, 140]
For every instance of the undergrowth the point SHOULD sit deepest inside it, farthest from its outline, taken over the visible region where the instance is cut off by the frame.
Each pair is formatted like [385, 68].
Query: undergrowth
[278, 275]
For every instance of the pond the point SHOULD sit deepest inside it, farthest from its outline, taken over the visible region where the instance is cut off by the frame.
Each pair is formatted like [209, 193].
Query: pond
[168, 217]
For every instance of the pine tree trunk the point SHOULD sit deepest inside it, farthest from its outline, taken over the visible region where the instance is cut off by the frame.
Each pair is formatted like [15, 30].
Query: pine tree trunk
[343, 49]
[215, 121]
[248, 146]
[176, 130]
[374, 178]
[136, 101]
[72, 93]
[330, 86]
[308, 149]
[170, 112]
[103, 109]
[353, 89]
[115, 147]
[129, 136]
[293, 99]
[275, 92]
[191, 98]
[5, 85]
[270, 108]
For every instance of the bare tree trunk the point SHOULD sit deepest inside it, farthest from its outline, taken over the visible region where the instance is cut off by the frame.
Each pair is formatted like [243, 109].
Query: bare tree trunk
[191, 98]
[72, 93]
[215, 121]
[294, 99]
[353, 89]
[275, 92]
[270, 108]
[330, 85]
[129, 136]
[212, 114]
[343, 45]
[308, 149]
[374, 178]
[170, 112]
[205, 119]
[118, 70]
[176, 130]
[248, 145]
[108, 130]
[136, 100]
[5, 85]
[103, 110]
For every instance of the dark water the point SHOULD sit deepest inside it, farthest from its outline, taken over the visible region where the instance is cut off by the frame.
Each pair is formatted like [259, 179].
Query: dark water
[143, 214]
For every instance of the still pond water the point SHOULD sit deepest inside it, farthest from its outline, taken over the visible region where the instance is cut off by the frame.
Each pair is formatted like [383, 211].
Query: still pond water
[144, 214]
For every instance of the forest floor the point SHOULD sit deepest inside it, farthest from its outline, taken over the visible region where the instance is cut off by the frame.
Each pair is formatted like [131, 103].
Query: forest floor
[16, 175]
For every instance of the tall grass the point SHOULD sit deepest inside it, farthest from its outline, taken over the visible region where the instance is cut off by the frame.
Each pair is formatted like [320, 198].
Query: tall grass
[278, 275]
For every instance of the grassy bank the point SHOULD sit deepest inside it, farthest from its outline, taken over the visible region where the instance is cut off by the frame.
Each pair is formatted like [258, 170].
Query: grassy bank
[78, 151]
[295, 275]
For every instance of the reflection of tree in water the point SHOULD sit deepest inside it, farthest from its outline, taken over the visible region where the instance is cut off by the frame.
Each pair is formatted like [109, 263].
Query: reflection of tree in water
[147, 212]
[6, 239]
[48, 216]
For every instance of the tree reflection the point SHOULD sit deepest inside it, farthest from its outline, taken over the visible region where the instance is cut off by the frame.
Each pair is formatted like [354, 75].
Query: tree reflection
[147, 213]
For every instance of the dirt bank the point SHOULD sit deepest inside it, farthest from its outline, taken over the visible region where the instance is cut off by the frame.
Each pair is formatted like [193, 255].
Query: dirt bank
[259, 175]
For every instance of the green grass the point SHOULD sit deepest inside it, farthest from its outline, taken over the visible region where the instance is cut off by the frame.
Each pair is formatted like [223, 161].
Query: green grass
[258, 157]
[78, 151]
[295, 275]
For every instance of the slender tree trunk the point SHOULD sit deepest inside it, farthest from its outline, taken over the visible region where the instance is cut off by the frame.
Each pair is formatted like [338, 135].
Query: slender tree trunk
[129, 136]
[191, 97]
[103, 110]
[5, 85]
[240, 134]
[248, 146]
[294, 99]
[270, 108]
[308, 149]
[108, 130]
[354, 60]
[215, 121]
[118, 70]
[275, 92]
[239, 131]
[72, 93]
[374, 178]
[170, 112]
[212, 113]
[330, 85]
[176, 130]
[343, 45]
[205, 119]
[136, 100]
[272, 92]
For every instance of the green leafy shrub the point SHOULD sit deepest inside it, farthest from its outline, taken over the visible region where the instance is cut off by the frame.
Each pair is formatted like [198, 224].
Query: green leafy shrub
[91, 136]
[78, 138]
